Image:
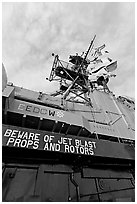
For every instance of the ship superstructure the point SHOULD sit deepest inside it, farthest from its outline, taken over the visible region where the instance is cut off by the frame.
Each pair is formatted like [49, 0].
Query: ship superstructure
[76, 144]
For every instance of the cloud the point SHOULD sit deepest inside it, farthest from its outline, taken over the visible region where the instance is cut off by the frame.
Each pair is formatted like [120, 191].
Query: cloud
[32, 31]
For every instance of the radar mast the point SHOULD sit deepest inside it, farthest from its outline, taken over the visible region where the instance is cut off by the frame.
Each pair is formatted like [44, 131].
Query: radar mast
[75, 76]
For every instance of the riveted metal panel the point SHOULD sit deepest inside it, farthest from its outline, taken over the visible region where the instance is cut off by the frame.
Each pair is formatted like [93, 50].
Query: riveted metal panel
[26, 93]
[106, 185]
[54, 187]
[108, 104]
[104, 129]
[60, 168]
[109, 174]
[128, 114]
[104, 101]
[18, 184]
[34, 96]
[122, 195]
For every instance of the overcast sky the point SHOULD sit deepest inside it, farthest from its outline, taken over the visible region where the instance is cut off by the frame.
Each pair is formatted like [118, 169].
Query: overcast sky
[32, 31]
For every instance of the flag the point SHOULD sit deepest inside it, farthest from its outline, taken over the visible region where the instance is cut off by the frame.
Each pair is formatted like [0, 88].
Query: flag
[110, 60]
[101, 47]
[98, 51]
[105, 60]
[111, 67]
[99, 60]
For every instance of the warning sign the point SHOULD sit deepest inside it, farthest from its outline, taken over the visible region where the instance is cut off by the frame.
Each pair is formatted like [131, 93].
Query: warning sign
[30, 139]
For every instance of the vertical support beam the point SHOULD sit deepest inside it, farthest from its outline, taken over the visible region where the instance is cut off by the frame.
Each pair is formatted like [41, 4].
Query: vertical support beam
[79, 132]
[76, 185]
[55, 125]
[5, 117]
[23, 120]
[67, 129]
[40, 122]
[61, 127]
[96, 183]
[39, 183]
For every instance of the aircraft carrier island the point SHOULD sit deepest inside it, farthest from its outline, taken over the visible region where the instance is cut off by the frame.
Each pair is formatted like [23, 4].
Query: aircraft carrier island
[73, 145]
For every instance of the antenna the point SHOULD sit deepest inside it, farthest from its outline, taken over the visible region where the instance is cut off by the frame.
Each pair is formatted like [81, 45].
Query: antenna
[90, 46]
